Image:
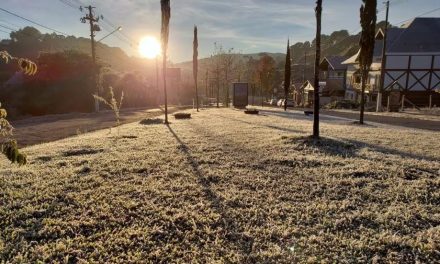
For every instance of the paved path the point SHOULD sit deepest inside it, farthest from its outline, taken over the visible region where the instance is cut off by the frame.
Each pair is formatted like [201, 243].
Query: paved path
[336, 116]
[36, 130]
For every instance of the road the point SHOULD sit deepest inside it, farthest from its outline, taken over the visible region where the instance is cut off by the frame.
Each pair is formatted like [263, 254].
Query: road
[36, 130]
[337, 116]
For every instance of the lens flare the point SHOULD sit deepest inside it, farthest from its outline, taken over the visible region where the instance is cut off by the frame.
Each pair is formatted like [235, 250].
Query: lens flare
[149, 47]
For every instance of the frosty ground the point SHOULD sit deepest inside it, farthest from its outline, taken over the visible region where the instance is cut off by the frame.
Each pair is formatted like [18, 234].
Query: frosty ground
[225, 187]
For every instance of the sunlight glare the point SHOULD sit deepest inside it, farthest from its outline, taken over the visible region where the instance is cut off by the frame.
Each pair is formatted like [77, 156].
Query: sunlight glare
[149, 47]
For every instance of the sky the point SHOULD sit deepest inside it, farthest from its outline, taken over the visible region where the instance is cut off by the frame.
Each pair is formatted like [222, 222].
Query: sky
[248, 26]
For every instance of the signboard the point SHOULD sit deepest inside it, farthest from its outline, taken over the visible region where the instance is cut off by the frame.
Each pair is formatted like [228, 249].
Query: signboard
[394, 101]
[240, 91]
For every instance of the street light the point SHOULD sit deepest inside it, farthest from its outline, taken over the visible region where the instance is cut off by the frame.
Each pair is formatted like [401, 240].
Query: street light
[118, 29]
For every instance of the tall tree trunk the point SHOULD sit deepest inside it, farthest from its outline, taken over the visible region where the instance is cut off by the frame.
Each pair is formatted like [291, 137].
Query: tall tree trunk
[363, 84]
[196, 64]
[368, 23]
[164, 69]
[218, 90]
[157, 76]
[287, 71]
[318, 12]
[227, 89]
[166, 15]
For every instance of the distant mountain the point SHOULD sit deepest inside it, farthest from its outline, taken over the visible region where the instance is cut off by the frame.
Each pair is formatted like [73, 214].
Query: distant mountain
[340, 43]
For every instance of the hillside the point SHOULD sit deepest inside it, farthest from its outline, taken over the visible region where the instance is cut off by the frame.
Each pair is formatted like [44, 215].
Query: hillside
[340, 43]
[30, 43]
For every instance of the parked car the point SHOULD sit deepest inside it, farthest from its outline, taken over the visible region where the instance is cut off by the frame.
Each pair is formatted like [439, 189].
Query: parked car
[281, 103]
[342, 104]
[273, 102]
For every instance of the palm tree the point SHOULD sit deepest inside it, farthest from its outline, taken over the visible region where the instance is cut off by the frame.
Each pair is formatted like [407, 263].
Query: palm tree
[318, 12]
[195, 63]
[368, 23]
[287, 71]
[165, 30]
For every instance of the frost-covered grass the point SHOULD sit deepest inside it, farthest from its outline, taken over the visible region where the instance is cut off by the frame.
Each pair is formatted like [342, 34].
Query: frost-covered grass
[225, 187]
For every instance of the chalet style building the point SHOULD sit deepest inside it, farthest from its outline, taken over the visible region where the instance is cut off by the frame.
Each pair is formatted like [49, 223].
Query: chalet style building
[332, 84]
[333, 73]
[412, 64]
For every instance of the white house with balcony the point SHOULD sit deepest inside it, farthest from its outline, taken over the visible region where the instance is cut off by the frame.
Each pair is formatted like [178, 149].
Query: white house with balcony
[412, 64]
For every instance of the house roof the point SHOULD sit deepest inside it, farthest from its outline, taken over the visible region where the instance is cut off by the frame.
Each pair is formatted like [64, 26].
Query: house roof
[308, 86]
[422, 34]
[334, 62]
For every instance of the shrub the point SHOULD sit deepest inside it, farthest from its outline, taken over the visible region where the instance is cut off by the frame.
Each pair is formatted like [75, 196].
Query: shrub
[8, 146]
[182, 115]
[342, 104]
[112, 103]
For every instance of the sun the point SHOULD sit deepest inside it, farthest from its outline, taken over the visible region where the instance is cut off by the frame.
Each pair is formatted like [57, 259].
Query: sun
[149, 47]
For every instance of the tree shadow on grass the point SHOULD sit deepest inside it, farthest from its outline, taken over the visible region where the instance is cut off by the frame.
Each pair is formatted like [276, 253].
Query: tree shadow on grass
[233, 235]
[348, 147]
[260, 125]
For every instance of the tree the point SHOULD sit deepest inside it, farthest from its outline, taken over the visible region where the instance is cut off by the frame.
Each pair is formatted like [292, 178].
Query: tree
[366, 43]
[165, 30]
[240, 68]
[8, 146]
[318, 12]
[287, 72]
[266, 69]
[227, 61]
[195, 63]
[216, 67]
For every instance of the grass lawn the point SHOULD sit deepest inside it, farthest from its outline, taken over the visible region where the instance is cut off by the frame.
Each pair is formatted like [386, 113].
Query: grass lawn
[225, 187]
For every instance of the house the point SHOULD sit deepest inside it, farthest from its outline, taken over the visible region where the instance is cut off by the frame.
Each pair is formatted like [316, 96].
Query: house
[305, 94]
[412, 64]
[333, 73]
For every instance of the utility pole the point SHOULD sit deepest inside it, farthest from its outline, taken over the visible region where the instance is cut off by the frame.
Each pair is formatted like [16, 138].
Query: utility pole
[157, 73]
[93, 28]
[261, 88]
[383, 62]
[304, 68]
[206, 83]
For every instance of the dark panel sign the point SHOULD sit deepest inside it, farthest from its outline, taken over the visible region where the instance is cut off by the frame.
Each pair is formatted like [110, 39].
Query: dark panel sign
[240, 94]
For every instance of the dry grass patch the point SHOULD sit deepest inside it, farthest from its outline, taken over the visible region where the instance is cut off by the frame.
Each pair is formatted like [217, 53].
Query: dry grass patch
[226, 188]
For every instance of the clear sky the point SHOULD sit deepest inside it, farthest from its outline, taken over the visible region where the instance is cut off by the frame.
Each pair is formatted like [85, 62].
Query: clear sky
[246, 25]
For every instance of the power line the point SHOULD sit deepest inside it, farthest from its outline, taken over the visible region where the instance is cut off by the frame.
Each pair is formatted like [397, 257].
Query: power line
[118, 37]
[9, 23]
[12, 29]
[78, 2]
[112, 25]
[5, 31]
[123, 37]
[69, 4]
[423, 14]
[33, 22]
[350, 34]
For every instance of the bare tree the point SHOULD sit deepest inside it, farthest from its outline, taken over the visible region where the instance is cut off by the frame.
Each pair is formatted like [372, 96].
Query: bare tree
[227, 61]
[239, 67]
[368, 23]
[266, 70]
[216, 68]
